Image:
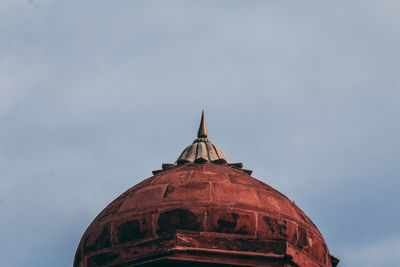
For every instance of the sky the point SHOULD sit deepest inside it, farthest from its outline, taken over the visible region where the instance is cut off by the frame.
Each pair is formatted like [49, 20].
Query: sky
[94, 95]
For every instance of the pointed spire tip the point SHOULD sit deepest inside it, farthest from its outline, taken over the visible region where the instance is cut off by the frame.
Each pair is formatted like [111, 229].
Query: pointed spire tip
[202, 129]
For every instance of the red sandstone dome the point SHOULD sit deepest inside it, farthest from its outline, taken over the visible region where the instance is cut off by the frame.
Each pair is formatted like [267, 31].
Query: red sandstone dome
[202, 211]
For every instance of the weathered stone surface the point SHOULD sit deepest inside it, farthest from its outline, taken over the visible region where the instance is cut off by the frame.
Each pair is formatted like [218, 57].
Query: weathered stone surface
[234, 194]
[207, 209]
[133, 228]
[232, 221]
[231, 243]
[199, 191]
[146, 197]
[99, 238]
[179, 219]
[101, 259]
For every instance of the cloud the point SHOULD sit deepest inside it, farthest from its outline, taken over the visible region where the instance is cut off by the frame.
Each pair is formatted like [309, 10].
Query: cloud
[377, 253]
[95, 95]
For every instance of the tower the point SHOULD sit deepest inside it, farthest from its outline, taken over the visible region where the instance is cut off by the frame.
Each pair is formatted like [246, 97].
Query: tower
[202, 211]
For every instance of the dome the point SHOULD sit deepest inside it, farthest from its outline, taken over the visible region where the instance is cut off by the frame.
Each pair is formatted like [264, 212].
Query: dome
[204, 212]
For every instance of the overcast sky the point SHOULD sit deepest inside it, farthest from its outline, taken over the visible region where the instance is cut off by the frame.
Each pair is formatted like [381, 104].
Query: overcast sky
[94, 95]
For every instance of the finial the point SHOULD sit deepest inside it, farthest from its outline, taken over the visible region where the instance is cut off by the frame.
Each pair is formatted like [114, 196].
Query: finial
[202, 129]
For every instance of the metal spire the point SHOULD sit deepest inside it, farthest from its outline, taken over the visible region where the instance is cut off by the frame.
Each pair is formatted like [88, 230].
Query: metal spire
[202, 151]
[202, 129]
